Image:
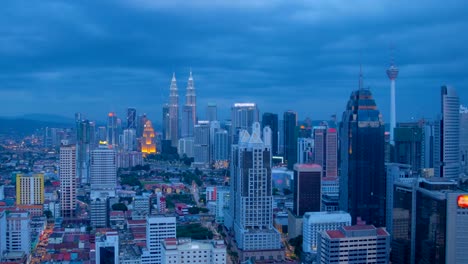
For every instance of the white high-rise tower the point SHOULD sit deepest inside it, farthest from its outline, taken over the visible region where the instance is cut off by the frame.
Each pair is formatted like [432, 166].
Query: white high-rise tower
[250, 214]
[392, 73]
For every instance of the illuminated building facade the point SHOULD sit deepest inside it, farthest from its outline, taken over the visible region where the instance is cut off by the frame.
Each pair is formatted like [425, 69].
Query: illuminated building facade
[29, 189]
[148, 144]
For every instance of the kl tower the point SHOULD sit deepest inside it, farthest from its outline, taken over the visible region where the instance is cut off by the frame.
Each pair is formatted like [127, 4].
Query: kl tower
[392, 73]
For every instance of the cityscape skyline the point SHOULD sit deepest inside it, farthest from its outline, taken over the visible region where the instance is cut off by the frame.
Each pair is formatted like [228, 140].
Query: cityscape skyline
[94, 70]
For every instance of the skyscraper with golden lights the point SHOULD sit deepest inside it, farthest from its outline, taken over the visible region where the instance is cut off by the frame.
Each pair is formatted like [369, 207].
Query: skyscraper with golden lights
[148, 144]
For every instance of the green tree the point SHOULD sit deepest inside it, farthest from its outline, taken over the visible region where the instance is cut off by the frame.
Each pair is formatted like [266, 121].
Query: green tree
[48, 214]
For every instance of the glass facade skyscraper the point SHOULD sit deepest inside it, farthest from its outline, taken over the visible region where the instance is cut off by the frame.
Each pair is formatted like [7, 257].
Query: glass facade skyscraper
[271, 120]
[362, 180]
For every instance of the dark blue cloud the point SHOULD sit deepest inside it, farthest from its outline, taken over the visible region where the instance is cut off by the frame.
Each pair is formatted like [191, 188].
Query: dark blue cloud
[99, 56]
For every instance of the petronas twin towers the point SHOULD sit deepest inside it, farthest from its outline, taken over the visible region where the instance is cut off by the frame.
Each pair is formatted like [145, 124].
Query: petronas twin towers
[189, 112]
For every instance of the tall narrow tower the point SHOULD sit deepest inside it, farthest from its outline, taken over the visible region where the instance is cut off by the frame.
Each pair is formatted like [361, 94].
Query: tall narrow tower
[392, 73]
[189, 118]
[174, 112]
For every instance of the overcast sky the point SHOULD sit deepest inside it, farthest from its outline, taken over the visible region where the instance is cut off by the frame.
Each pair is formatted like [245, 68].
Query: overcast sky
[62, 57]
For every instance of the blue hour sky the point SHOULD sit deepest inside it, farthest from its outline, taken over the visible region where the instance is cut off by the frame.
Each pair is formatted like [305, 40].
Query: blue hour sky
[61, 57]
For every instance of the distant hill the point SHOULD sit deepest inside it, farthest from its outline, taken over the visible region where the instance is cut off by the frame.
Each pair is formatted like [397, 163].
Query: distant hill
[23, 126]
[48, 118]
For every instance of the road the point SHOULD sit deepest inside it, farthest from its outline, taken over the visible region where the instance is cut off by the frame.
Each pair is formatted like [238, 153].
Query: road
[40, 252]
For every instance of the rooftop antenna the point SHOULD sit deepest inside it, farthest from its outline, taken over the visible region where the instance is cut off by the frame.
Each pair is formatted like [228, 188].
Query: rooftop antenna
[361, 82]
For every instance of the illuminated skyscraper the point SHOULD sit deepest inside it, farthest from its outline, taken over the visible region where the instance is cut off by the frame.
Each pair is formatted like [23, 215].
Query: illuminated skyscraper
[447, 136]
[148, 144]
[189, 115]
[129, 139]
[392, 73]
[174, 112]
[362, 179]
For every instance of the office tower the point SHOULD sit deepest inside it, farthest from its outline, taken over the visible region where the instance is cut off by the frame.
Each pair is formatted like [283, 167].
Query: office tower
[212, 112]
[281, 137]
[201, 143]
[185, 147]
[392, 73]
[271, 120]
[221, 145]
[129, 139]
[102, 134]
[447, 136]
[360, 243]
[428, 146]
[326, 150]
[103, 169]
[305, 148]
[142, 121]
[430, 219]
[107, 248]
[408, 141]
[112, 127]
[141, 203]
[251, 209]
[189, 111]
[243, 115]
[222, 203]
[29, 189]
[158, 228]
[18, 231]
[93, 141]
[83, 141]
[330, 194]
[148, 142]
[362, 179]
[99, 210]
[215, 126]
[290, 138]
[464, 139]
[129, 159]
[307, 188]
[131, 118]
[68, 184]
[184, 249]
[316, 222]
[173, 113]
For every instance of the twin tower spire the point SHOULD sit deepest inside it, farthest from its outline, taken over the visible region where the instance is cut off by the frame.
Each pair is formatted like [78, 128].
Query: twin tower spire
[189, 111]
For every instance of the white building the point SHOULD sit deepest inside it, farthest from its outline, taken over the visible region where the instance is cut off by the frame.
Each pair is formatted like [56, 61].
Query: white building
[360, 243]
[158, 228]
[251, 203]
[107, 248]
[457, 228]
[447, 136]
[185, 147]
[464, 138]
[129, 140]
[222, 203]
[316, 222]
[305, 147]
[187, 251]
[18, 232]
[141, 204]
[103, 169]
[67, 174]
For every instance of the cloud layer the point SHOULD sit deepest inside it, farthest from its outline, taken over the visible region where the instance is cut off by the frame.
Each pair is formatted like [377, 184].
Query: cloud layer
[99, 56]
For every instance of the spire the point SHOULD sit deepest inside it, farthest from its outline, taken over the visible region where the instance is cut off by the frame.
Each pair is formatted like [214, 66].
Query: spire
[190, 77]
[173, 77]
[361, 81]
